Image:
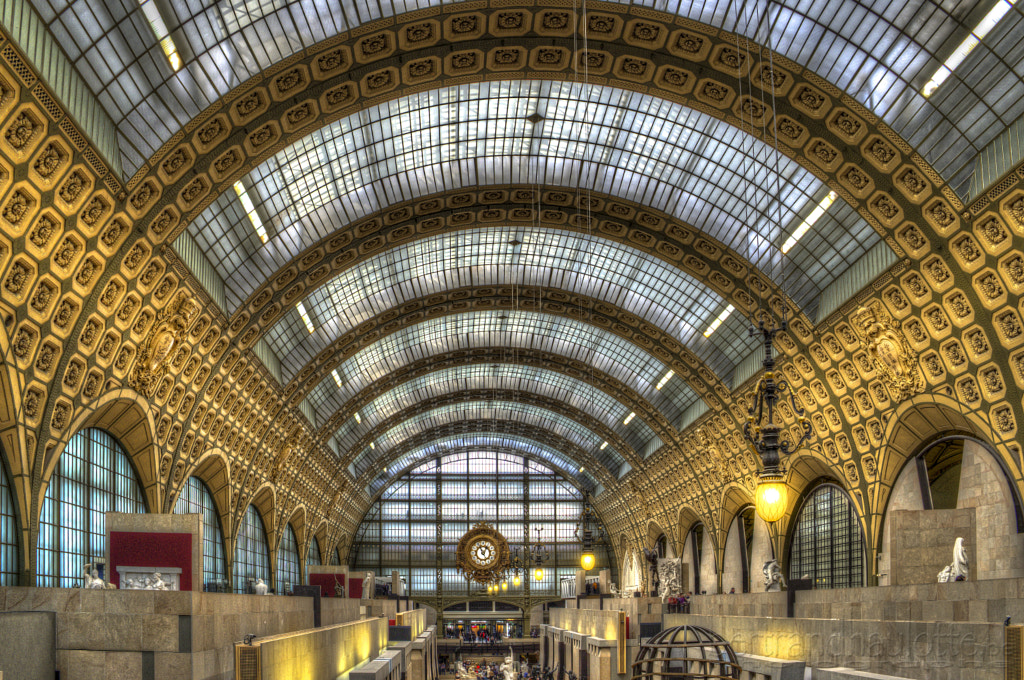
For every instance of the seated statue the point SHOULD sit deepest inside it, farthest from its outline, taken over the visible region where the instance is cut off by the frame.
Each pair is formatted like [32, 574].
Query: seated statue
[957, 571]
[773, 581]
[260, 588]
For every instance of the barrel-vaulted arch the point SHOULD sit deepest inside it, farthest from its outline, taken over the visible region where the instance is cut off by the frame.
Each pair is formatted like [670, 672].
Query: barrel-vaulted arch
[676, 243]
[319, 376]
[632, 145]
[645, 412]
[539, 442]
[612, 450]
[514, 331]
[490, 407]
[542, 386]
[221, 46]
[522, 256]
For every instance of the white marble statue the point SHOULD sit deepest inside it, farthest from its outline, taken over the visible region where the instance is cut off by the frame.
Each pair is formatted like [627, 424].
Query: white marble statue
[957, 571]
[613, 590]
[157, 582]
[773, 581]
[670, 577]
[92, 578]
[260, 588]
[369, 586]
[508, 669]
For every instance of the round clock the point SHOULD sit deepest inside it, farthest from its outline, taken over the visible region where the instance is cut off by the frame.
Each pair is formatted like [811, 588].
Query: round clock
[483, 554]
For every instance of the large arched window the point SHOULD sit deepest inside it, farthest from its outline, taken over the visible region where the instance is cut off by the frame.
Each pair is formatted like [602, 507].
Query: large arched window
[288, 573]
[525, 500]
[93, 477]
[252, 557]
[827, 547]
[313, 554]
[8, 534]
[195, 498]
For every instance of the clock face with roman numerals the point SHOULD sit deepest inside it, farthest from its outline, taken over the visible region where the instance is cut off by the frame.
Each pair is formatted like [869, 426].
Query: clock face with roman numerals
[483, 554]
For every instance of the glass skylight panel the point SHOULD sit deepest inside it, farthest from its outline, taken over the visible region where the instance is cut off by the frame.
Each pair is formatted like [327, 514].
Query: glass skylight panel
[639, 148]
[497, 411]
[880, 52]
[481, 452]
[160, 32]
[508, 378]
[525, 330]
[659, 293]
[977, 34]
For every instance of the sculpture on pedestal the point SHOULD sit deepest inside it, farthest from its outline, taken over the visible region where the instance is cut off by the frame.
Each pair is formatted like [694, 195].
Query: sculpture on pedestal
[957, 571]
[773, 580]
[369, 586]
[670, 577]
[508, 669]
[260, 588]
[653, 583]
[92, 578]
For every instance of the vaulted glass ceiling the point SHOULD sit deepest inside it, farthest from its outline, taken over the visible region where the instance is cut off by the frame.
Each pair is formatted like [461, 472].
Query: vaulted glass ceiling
[636, 282]
[878, 51]
[483, 441]
[499, 410]
[508, 332]
[632, 146]
[506, 378]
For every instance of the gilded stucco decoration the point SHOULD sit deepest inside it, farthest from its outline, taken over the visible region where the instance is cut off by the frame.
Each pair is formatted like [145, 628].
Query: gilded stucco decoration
[168, 334]
[889, 351]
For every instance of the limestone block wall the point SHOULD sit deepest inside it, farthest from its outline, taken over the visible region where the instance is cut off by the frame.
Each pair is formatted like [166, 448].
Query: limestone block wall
[322, 653]
[906, 495]
[926, 650]
[732, 567]
[1000, 549]
[987, 601]
[338, 610]
[708, 568]
[147, 635]
[921, 544]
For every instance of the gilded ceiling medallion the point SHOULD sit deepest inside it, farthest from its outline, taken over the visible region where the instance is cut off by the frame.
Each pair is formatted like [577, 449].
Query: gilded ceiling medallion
[482, 555]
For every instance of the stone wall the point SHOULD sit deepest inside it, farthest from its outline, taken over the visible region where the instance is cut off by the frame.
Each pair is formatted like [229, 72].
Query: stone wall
[983, 486]
[925, 650]
[906, 495]
[921, 543]
[948, 631]
[322, 653]
[114, 634]
[732, 567]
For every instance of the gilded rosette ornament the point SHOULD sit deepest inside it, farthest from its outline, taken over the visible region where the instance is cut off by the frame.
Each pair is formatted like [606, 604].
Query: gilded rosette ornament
[482, 554]
[167, 335]
[889, 351]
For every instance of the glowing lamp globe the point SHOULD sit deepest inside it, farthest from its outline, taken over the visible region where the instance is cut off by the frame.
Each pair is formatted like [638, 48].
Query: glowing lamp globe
[771, 498]
[504, 585]
[587, 560]
[538, 574]
[490, 589]
[516, 581]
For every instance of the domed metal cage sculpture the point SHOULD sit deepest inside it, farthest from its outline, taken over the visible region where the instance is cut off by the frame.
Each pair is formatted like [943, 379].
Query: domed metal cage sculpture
[686, 653]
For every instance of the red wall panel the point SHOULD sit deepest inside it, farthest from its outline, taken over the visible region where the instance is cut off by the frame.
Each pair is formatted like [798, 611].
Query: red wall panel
[147, 549]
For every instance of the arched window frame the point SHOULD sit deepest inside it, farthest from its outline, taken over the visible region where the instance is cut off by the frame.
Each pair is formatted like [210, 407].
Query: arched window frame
[10, 552]
[313, 553]
[195, 498]
[839, 575]
[289, 569]
[71, 522]
[252, 554]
